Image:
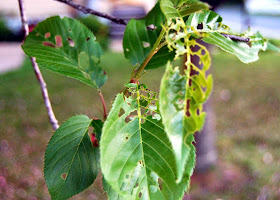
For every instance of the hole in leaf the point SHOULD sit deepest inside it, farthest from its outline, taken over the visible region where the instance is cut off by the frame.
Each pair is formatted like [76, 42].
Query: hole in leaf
[200, 26]
[127, 50]
[129, 118]
[152, 26]
[49, 44]
[157, 117]
[71, 42]
[203, 52]
[58, 40]
[90, 129]
[88, 39]
[142, 120]
[121, 113]
[146, 44]
[197, 112]
[47, 35]
[64, 176]
[188, 107]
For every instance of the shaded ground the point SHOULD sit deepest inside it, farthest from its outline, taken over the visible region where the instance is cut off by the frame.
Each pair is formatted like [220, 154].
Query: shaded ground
[246, 99]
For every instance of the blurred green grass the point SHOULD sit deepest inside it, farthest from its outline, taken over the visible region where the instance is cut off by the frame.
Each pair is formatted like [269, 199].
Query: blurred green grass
[246, 100]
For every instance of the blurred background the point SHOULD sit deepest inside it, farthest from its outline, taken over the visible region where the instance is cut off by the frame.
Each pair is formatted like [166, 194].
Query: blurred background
[244, 108]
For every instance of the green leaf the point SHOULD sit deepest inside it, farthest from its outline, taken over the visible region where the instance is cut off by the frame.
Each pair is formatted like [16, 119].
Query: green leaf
[67, 47]
[182, 96]
[138, 40]
[136, 157]
[192, 6]
[169, 9]
[207, 18]
[212, 27]
[178, 125]
[174, 9]
[241, 50]
[71, 160]
[161, 58]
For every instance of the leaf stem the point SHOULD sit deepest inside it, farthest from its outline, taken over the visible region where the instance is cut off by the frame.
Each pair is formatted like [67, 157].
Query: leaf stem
[154, 50]
[37, 71]
[103, 104]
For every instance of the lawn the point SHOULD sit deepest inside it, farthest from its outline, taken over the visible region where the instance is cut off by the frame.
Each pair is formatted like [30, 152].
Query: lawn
[246, 100]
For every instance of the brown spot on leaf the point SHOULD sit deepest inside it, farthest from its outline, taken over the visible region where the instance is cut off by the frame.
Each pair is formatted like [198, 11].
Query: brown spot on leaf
[49, 44]
[140, 195]
[58, 40]
[64, 176]
[47, 35]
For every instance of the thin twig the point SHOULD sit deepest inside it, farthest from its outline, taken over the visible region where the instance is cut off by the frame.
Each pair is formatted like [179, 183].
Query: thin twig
[37, 71]
[103, 104]
[236, 38]
[87, 10]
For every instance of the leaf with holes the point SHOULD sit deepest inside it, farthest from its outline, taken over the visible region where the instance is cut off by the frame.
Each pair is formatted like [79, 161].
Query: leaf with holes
[210, 23]
[178, 125]
[71, 160]
[182, 96]
[138, 40]
[67, 47]
[136, 156]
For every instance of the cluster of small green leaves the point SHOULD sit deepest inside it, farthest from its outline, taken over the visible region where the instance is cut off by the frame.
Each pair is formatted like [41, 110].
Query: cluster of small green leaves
[146, 143]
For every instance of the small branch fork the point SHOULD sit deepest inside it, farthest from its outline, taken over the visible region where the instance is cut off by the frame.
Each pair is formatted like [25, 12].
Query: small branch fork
[37, 71]
[120, 21]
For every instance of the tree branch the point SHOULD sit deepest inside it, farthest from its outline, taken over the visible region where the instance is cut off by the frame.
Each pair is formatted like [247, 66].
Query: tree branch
[37, 71]
[87, 10]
